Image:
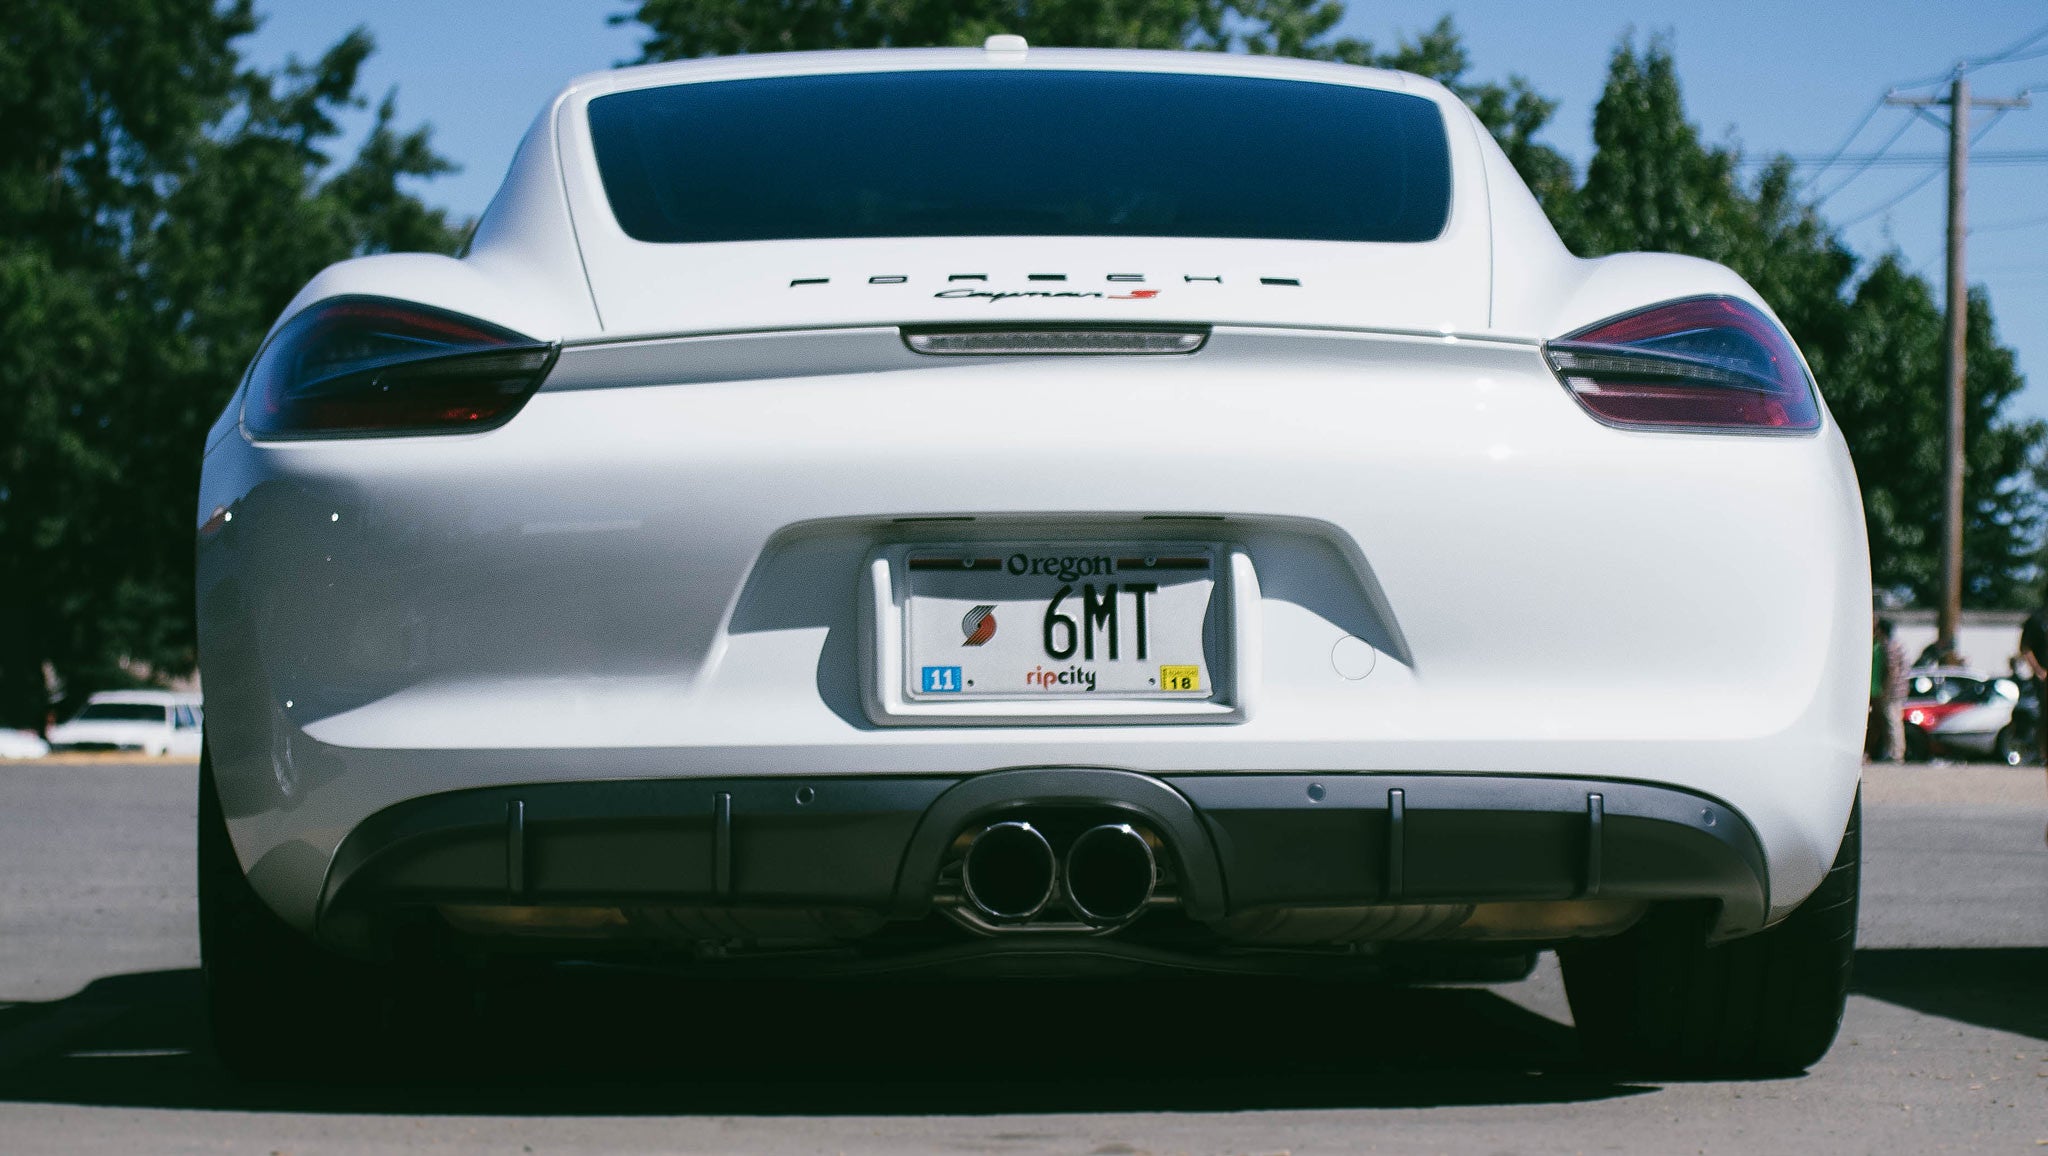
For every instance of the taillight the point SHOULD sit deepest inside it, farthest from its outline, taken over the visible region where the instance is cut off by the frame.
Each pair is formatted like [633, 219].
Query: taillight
[1705, 363]
[357, 366]
[1931, 715]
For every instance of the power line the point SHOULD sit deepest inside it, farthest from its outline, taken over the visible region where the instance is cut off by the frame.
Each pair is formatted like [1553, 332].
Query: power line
[2003, 56]
[1908, 191]
[1843, 147]
[1864, 162]
[1916, 186]
[2007, 226]
[2036, 55]
[2007, 55]
[2011, 54]
[1906, 160]
[1868, 161]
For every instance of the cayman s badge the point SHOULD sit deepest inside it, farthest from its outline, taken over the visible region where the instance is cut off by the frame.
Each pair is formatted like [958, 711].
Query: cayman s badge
[979, 625]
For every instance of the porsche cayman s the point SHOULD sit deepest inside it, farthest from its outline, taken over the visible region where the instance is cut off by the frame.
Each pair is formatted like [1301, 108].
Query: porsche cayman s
[1025, 512]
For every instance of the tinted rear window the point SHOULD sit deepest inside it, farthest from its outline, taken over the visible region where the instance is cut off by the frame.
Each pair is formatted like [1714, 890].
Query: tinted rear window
[1022, 153]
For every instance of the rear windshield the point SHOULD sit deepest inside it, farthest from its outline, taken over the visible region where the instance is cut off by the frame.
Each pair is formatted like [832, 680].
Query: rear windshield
[1022, 153]
[121, 712]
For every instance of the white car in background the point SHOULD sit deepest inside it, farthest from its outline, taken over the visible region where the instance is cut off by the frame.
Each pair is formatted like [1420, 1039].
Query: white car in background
[1050, 510]
[18, 744]
[154, 722]
[1954, 712]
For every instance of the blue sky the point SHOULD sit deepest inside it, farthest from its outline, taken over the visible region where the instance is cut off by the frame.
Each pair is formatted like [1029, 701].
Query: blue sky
[1771, 76]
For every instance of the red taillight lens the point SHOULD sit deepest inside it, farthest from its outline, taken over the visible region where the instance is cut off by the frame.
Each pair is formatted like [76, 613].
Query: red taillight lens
[1927, 716]
[366, 365]
[1705, 363]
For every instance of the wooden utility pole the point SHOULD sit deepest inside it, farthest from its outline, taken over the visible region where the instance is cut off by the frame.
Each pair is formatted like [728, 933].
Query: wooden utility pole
[1959, 105]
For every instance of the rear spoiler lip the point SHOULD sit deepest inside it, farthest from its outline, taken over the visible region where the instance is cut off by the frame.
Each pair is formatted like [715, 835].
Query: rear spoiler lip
[603, 340]
[735, 356]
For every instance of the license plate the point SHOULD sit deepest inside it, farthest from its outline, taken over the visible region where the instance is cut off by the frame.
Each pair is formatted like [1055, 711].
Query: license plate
[1024, 622]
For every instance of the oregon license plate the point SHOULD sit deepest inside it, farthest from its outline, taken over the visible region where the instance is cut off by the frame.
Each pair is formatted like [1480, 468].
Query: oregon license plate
[1058, 622]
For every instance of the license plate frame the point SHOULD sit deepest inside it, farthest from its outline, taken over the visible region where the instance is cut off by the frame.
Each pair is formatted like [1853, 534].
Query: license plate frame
[897, 650]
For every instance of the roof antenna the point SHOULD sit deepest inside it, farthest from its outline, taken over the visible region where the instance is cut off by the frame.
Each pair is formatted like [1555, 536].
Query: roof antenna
[1006, 44]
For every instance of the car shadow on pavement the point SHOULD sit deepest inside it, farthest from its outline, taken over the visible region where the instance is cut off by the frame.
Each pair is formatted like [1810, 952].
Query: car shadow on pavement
[639, 1045]
[2002, 988]
[601, 1042]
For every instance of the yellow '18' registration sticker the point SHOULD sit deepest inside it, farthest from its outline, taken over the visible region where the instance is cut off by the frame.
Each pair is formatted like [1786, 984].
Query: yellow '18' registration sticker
[1180, 678]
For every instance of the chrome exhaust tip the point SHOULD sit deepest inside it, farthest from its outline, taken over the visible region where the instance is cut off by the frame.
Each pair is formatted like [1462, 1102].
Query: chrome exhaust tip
[1008, 871]
[1110, 874]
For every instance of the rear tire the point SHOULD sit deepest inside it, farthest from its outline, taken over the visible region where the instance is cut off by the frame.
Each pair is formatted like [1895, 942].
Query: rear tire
[1660, 999]
[279, 1006]
[2008, 748]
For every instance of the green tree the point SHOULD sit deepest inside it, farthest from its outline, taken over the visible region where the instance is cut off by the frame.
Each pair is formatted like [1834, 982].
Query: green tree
[95, 107]
[159, 204]
[1891, 399]
[1653, 186]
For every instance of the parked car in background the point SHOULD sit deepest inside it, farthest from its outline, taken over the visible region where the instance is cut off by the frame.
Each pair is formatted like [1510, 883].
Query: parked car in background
[16, 744]
[1951, 712]
[155, 722]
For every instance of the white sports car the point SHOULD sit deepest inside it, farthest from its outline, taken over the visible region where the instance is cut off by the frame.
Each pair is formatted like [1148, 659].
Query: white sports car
[1018, 510]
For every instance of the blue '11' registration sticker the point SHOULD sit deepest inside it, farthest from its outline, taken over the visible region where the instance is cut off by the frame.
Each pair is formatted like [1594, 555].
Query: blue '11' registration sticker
[941, 679]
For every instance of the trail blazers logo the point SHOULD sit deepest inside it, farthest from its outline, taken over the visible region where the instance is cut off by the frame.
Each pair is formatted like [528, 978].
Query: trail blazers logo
[979, 625]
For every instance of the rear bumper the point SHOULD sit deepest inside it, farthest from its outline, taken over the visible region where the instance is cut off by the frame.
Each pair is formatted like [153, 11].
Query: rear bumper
[1235, 844]
[652, 576]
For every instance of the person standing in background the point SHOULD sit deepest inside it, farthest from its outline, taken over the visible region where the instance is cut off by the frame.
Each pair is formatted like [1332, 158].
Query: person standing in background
[1888, 694]
[2034, 653]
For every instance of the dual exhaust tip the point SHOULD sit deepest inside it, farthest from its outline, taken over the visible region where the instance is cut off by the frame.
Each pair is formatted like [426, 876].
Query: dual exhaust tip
[1010, 873]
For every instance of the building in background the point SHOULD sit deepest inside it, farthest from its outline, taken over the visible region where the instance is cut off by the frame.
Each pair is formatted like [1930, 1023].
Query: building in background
[1987, 640]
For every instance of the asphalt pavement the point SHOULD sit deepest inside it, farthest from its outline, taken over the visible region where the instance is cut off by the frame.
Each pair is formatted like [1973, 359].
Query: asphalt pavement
[1945, 1047]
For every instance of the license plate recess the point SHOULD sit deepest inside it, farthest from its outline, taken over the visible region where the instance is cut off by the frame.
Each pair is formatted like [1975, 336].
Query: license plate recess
[1063, 629]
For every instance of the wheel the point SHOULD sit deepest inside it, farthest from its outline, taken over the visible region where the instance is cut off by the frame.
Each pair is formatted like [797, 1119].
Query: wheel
[2009, 748]
[279, 1006]
[1660, 999]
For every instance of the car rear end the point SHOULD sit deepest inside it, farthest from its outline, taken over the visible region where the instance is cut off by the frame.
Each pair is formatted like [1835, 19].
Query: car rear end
[995, 555]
